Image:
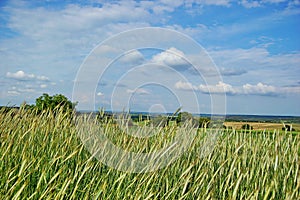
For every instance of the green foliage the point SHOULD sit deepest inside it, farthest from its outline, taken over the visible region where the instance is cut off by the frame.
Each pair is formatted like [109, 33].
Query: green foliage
[184, 117]
[204, 122]
[160, 121]
[54, 102]
[139, 117]
[247, 127]
[288, 128]
[42, 157]
[104, 117]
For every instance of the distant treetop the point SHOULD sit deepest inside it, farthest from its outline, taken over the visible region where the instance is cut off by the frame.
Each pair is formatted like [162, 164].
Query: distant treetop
[55, 102]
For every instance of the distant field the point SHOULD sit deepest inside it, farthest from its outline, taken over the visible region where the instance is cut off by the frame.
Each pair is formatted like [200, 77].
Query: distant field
[260, 125]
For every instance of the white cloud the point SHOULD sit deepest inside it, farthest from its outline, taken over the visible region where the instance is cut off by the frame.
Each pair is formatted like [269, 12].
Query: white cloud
[259, 89]
[232, 71]
[215, 2]
[100, 94]
[76, 24]
[42, 22]
[21, 75]
[190, 3]
[185, 86]
[163, 6]
[198, 31]
[13, 93]
[259, 3]
[133, 57]
[106, 49]
[291, 90]
[274, 1]
[259, 64]
[140, 91]
[247, 89]
[172, 57]
[26, 90]
[219, 88]
[250, 4]
[42, 78]
[43, 86]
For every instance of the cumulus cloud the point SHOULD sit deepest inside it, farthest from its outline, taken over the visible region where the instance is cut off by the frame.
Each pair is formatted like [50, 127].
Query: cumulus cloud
[219, 88]
[133, 57]
[259, 89]
[172, 57]
[21, 75]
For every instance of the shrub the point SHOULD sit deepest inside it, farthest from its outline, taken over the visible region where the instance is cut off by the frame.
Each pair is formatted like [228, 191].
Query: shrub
[247, 127]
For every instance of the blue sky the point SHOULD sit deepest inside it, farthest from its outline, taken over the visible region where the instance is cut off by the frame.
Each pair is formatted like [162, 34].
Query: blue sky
[254, 45]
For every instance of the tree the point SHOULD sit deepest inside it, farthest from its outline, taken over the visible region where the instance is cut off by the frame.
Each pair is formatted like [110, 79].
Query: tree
[55, 102]
[204, 122]
[247, 127]
[184, 117]
[288, 128]
[105, 117]
[160, 121]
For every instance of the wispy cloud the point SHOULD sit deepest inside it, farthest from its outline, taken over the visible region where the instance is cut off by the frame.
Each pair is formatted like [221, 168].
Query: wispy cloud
[259, 64]
[250, 4]
[232, 71]
[259, 3]
[43, 86]
[140, 91]
[185, 86]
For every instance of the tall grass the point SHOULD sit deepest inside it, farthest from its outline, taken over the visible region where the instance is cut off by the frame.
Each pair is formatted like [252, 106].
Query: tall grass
[42, 157]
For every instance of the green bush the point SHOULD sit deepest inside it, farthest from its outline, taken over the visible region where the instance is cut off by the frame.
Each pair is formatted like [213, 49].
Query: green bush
[247, 127]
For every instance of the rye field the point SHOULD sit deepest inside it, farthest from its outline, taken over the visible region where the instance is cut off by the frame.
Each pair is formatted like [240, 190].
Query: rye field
[42, 157]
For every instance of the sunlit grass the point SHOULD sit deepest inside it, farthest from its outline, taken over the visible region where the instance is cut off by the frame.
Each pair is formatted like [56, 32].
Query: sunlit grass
[42, 157]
